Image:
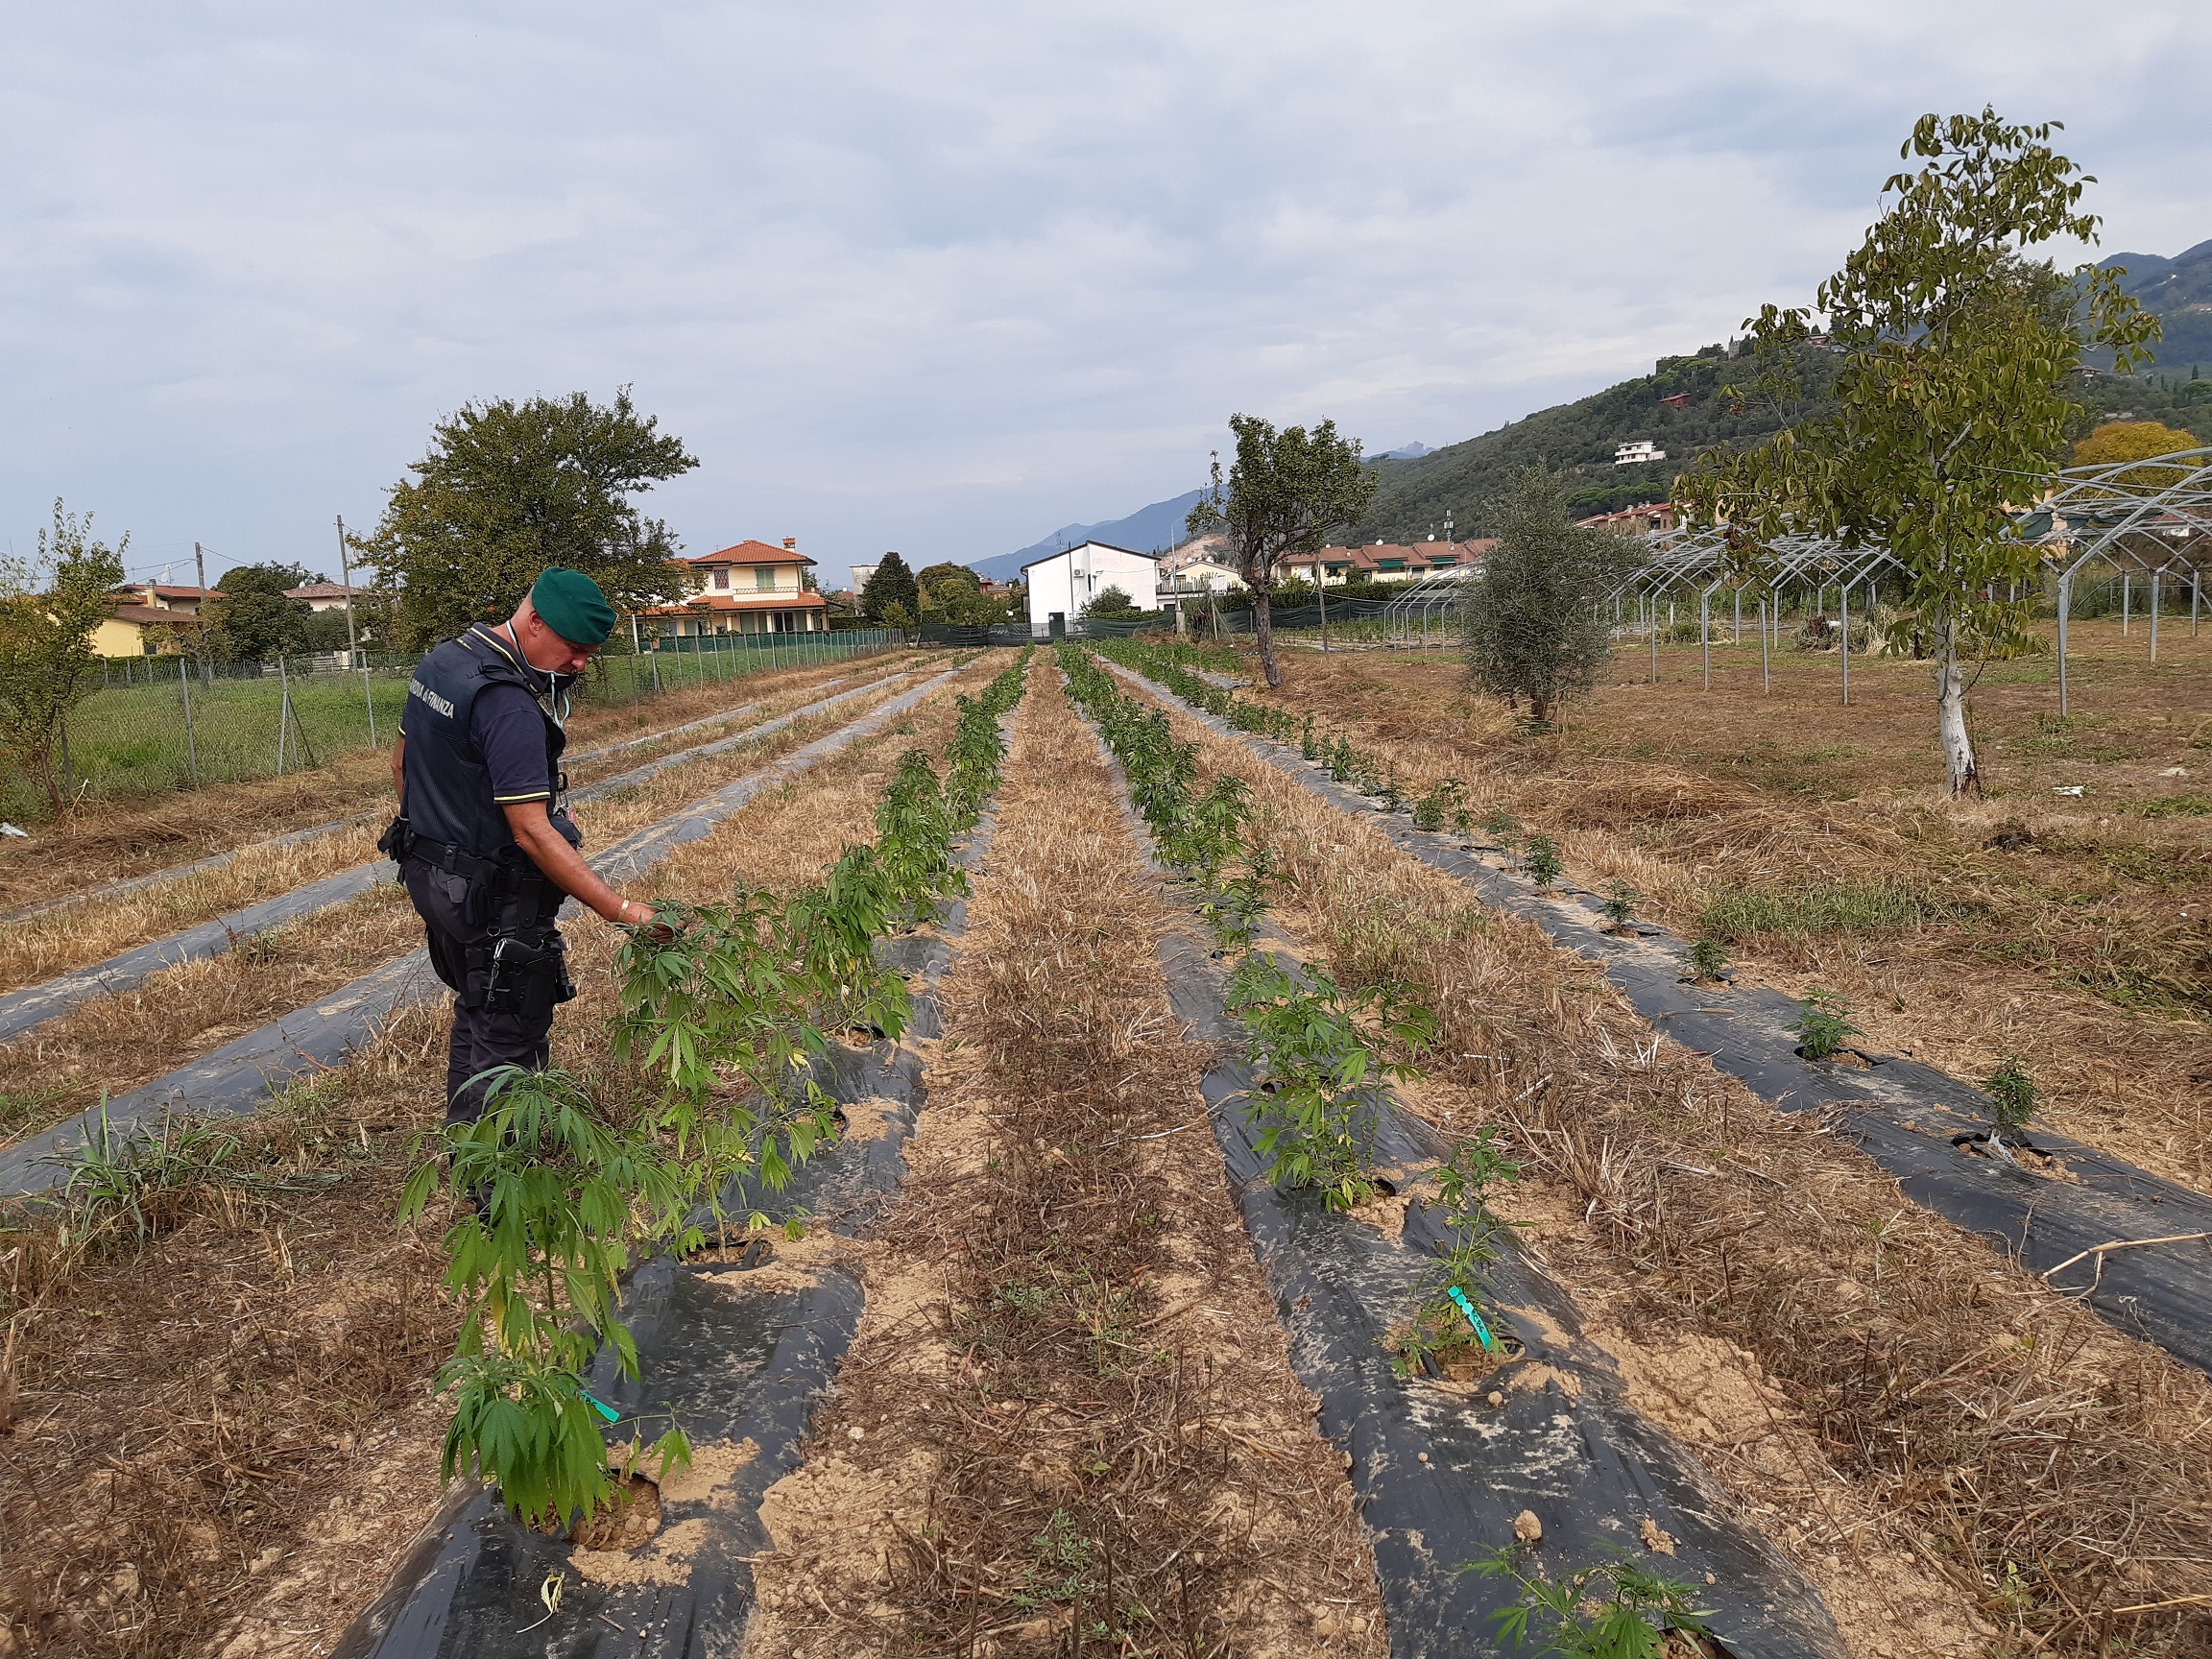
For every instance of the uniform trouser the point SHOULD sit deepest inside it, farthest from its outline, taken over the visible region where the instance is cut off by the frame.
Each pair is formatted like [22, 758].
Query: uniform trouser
[486, 1031]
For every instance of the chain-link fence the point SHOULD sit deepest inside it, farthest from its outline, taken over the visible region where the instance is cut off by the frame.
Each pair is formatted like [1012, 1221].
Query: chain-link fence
[169, 722]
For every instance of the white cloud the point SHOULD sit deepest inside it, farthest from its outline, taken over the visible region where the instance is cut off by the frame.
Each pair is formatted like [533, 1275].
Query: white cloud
[933, 277]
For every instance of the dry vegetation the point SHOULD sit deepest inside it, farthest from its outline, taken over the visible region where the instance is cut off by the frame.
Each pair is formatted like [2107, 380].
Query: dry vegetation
[220, 1437]
[1961, 1460]
[1067, 1424]
[91, 847]
[2074, 934]
[118, 1042]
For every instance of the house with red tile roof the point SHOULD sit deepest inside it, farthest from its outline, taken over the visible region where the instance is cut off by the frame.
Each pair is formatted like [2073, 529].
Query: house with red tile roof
[1388, 561]
[749, 588]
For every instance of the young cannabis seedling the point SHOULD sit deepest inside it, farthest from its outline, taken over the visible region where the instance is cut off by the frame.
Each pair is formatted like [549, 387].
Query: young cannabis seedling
[1822, 1025]
[1540, 857]
[1319, 1045]
[1620, 905]
[1501, 825]
[1613, 1610]
[2011, 1095]
[1307, 750]
[1441, 799]
[1708, 959]
[1448, 1313]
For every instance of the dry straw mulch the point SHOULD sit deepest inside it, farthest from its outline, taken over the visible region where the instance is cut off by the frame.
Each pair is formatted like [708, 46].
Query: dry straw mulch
[2072, 935]
[1069, 1400]
[222, 1439]
[1961, 1460]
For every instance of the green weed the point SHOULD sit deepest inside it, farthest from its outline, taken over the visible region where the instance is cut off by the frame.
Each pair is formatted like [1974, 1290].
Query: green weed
[1614, 1610]
[1822, 1024]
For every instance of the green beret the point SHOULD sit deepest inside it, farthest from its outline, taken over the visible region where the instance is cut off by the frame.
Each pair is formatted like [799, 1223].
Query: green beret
[571, 605]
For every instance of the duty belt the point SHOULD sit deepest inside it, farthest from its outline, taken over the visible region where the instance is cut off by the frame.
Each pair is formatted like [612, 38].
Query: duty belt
[495, 873]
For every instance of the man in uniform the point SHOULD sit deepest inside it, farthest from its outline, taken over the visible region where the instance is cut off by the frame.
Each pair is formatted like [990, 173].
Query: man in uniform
[483, 842]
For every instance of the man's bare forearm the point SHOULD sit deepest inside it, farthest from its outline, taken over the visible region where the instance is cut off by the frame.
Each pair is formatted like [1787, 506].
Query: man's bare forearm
[564, 867]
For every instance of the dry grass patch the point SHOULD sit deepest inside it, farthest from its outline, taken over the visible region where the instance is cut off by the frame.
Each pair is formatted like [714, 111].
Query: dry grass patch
[1068, 1422]
[2075, 937]
[1940, 1427]
[220, 1438]
[41, 946]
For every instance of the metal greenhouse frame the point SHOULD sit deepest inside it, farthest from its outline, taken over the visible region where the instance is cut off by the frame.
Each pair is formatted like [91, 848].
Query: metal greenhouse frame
[2143, 519]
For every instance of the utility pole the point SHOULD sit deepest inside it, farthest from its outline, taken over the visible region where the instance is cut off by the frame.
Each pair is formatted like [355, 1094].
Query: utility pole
[345, 575]
[200, 567]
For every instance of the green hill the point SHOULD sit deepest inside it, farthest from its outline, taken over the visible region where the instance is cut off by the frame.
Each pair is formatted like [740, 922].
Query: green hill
[1580, 438]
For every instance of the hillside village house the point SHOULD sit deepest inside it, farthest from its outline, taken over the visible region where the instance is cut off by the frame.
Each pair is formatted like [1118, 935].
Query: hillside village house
[323, 596]
[1064, 582]
[749, 588]
[1388, 561]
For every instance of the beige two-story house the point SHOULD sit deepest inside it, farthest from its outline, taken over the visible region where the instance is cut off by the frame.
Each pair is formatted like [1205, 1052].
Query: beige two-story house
[749, 588]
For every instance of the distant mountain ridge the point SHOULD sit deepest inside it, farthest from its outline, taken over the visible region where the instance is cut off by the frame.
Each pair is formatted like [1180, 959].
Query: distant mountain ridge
[1680, 407]
[1147, 530]
[2179, 290]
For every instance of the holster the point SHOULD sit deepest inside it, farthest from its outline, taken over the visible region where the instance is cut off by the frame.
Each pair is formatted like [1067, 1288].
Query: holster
[523, 977]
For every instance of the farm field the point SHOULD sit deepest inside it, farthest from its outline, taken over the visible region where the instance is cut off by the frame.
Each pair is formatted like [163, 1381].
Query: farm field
[111, 1045]
[240, 1393]
[56, 938]
[1080, 1409]
[2073, 934]
[152, 823]
[132, 738]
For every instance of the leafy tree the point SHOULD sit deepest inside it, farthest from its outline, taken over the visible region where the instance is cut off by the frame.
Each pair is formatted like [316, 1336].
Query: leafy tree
[48, 609]
[508, 489]
[930, 578]
[1111, 602]
[891, 587]
[252, 620]
[1533, 628]
[1286, 491]
[1951, 400]
[2132, 441]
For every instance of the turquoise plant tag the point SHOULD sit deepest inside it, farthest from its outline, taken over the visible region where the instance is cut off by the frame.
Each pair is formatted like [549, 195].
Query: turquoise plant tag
[1473, 1318]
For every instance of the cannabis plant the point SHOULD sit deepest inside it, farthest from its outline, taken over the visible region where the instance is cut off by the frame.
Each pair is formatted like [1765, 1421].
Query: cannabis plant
[1620, 905]
[2011, 1095]
[1613, 1610]
[1540, 857]
[1822, 1024]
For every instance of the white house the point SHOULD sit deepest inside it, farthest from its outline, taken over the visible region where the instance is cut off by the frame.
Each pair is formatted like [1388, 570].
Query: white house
[1061, 584]
[1636, 453]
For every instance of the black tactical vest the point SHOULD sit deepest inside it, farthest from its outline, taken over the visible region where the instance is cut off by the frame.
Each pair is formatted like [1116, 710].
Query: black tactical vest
[449, 785]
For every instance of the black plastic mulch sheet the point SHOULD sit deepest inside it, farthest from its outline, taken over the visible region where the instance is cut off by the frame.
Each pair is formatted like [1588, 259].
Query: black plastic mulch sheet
[729, 1365]
[1442, 1474]
[2061, 1200]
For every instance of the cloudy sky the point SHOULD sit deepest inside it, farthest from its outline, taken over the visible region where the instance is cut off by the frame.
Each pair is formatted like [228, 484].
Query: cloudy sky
[942, 278]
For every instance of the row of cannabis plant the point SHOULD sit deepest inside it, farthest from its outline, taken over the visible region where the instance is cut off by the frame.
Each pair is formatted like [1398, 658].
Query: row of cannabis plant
[712, 1102]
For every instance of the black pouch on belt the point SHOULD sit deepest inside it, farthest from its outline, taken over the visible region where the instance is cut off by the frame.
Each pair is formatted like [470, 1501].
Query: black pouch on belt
[526, 974]
[393, 842]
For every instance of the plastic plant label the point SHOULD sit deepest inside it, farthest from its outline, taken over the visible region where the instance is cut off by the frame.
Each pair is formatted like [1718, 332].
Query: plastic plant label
[1489, 1342]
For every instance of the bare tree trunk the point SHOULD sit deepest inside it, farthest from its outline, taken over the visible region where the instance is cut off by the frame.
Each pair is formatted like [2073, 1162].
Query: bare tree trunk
[1961, 776]
[1264, 628]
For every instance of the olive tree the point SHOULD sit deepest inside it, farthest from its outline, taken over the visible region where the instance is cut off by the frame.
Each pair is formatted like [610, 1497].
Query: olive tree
[1950, 406]
[1286, 492]
[49, 608]
[1531, 618]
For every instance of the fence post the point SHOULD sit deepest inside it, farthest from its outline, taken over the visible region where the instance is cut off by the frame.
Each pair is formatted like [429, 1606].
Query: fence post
[1765, 676]
[283, 711]
[2154, 575]
[2065, 604]
[68, 767]
[191, 742]
[1843, 603]
[369, 696]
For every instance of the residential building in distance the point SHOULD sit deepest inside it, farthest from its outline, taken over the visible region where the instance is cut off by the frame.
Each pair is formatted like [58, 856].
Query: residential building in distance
[1645, 520]
[1199, 576]
[1063, 582]
[323, 596]
[862, 575]
[1637, 453]
[1388, 561]
[749, 588]
[149, 619]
